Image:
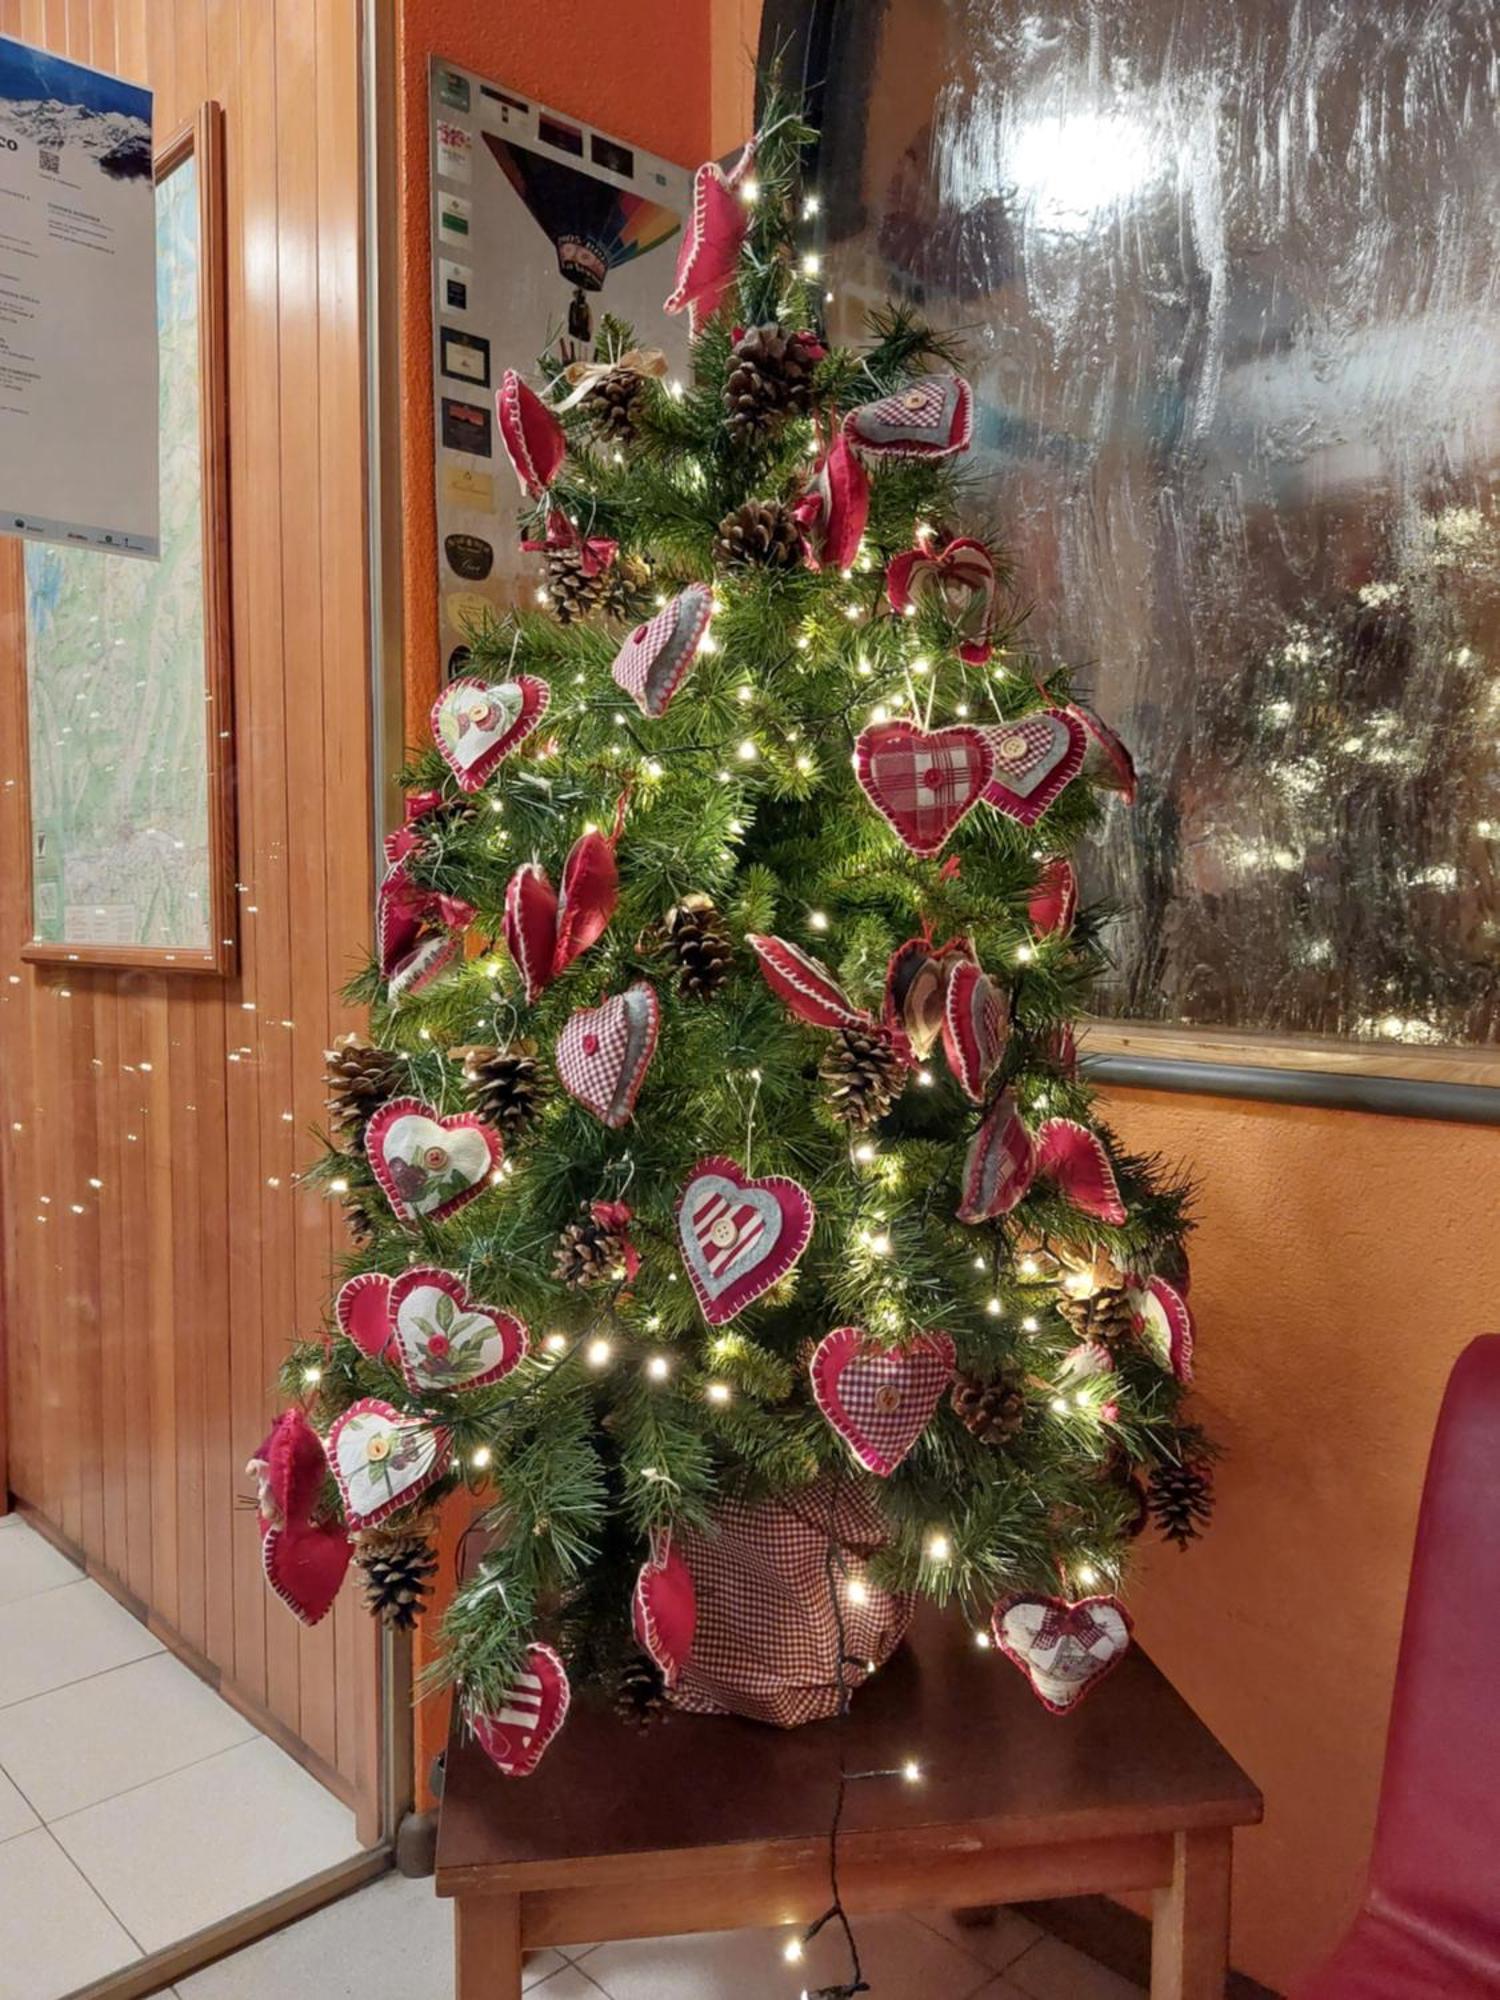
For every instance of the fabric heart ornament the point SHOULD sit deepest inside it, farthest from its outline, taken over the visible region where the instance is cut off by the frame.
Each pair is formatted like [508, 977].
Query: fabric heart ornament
[930, 418]
[922, 782]
[595, 553]
[959, 576]
[476, 724]
[1074, 1159]
[1106, 761]
[363, 1313]
[530, 927]
[545, 932]
[739, 1236]
[428, 1165]
[304, 1558]
[418, 933]
[804, 983]
[976, 1027]
[655, 659]
[383, 1461]
[1054, 901]
[1164, 1320]
[710, 249]
[1000, 1164]
[443, 1339]
[664, 1609]
[834, 508]
[1036, 758]
[916, 988]
[880, 1399]
[534, 440]
[515, 1736]
[1063, 1649]
[603, 1052]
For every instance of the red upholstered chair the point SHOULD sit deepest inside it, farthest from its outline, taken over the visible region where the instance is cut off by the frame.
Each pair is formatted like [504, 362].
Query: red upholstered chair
[1430, 1924]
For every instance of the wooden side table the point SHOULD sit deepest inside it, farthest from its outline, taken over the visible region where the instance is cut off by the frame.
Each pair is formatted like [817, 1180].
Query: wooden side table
[712, 1824]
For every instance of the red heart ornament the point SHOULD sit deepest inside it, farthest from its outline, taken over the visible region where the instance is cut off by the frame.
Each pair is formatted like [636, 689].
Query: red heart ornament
[1063, 1649]
[531, 927]
[382, 1461]
[739, 1236]
[443, 1339]
[532, 1710]
[976, 1027]
[923, 782]
[664, 1609]
[534, 440]
[834, 508]
[916, 988]
[656, 658]
[1166, 1324]
[429, 1165]
[960, 575]
[1106, 760]
[476, 724]
[418, 933]
[1035, 759]
[880, 1399]
[1000, 1164]
[1054, 900]
[1074, 1160]
[304, 1559]
[804, 983]
[930, 418]
[710, 249]
[603, 1052]
[590, 894]
[363, 1312]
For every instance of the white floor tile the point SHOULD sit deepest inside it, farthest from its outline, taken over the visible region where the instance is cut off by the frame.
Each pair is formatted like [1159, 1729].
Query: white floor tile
[16, 1815]
[572, 1983]
[999, 1943]
[1054, 1971]
[84, 1743]
[65, 1635]
[29, 1563]
[903, 1960]
[55, 1934]
[390, 1941]
[185, 1850]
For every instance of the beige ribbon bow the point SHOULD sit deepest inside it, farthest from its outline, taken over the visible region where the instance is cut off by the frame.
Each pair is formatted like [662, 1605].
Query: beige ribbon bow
[581, 376]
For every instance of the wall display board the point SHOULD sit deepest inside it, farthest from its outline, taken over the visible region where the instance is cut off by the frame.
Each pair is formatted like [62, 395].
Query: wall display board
[77, 305]
[541, 226]
[1227, 276]
[128, 671]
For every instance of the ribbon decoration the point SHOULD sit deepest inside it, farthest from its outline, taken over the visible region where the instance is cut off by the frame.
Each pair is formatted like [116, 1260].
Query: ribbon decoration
[595, 552]
[581, 376]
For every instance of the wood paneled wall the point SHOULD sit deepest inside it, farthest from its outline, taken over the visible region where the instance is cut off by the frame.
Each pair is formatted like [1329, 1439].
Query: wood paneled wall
[157, 1252]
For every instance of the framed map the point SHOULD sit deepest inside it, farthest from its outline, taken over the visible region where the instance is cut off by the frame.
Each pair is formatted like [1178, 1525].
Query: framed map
[129, 721]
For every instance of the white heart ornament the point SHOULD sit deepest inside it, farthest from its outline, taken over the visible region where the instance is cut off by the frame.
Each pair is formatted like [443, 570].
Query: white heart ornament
[443, 1339]
[427, 1165]
[476, 724]
[381, 1460]
[1063, 1649]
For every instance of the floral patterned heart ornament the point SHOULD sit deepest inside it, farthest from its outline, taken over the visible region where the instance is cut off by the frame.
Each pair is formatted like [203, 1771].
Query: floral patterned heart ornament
[930, 418]
[533, 1708]
[880, 1399]
[976, 1027]
[1164, 1320]
[923, 782]
[429, 1165]
[739, 1236]
[664, 1609]
[303, 1556]
[476, 724]
[1063, 1649]
[1036, 758]
[656, 658]
[603, 1053]
[443, 1339]
[383, 1461]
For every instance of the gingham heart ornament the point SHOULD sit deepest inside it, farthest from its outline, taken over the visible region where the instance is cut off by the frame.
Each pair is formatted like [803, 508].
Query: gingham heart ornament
[603, 1052]
[923, 782]
[381, 1460]
[930, 418]
[443, 1339]
[429, 1165]
[516, 1734]
[664, 1609]
[976, 1027]
[1036, 758]
[656, 658]
[880, 1399]
[739, 1236]
[1063, 1649]
[476, 724]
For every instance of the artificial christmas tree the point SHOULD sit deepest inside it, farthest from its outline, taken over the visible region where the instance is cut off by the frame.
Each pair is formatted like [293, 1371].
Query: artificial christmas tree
[734, 1055]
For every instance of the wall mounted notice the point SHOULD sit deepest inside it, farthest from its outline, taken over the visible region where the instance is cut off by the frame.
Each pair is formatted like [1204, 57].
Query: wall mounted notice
[78, 371]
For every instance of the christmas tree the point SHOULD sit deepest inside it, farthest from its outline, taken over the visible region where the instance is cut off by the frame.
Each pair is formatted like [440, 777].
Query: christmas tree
[721, 1140]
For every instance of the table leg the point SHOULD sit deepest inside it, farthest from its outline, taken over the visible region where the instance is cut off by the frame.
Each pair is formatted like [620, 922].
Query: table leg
[1190, 1936]
[487, 1948]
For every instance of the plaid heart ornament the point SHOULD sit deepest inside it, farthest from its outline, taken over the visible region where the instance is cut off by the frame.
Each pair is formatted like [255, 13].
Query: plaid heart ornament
[1000, 1164]
[654, 661]
[382, 1461]
[1063, 1649]
[976, 1027]
[429, 1166]
[476, 724]
[603, 1052]
[923, 782]
[443, 1339]
[739, 1236]
[930, 418]
[533, 438]
[880, 1399]
[1035, 759]
[516, 1734]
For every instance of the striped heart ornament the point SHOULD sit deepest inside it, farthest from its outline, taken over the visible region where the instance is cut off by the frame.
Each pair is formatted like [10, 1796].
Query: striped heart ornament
[739, 1236]
[515, 1735]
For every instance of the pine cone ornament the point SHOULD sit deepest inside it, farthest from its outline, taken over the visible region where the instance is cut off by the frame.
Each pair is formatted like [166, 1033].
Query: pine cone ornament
[590, 1252]
[505, 1086]
[770, 378]
[359, 1217]
[1181, 1498]
[863, 1075]
[618, 590]
[994, 1411]
[399, 1565]
[1106, 1316]
[704, 950]
[641, 1696]
[614, 404]
[360, 1078]
[763, 534]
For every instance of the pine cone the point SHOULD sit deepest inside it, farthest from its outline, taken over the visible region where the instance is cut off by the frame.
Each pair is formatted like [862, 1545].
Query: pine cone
[614, 404]
[360, 1078]
[1182, 1501]
[505, 1086]
[704, 949]
[994, 1411]
[863, 1075]
[399, 1565]
[619, 590]
[770, 378]
[588, 1253]
[1106, 1316]
[641, 1696]
[359, 1217]
[762, 534]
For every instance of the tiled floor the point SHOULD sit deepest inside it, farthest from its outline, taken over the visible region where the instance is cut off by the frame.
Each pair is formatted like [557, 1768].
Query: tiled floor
[135, 1806]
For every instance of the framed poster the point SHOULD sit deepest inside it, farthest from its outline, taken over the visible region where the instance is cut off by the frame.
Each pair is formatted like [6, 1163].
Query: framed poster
[541, 227]
[129, 710]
